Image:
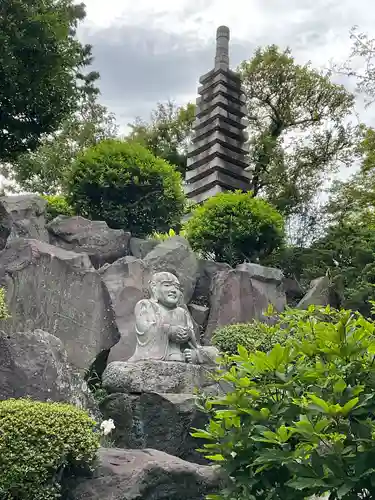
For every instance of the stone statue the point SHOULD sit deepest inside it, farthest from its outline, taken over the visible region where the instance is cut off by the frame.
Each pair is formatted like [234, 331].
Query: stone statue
[164, 327]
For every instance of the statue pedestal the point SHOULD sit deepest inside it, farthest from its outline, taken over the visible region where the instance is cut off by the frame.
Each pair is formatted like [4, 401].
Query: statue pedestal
[156, 376]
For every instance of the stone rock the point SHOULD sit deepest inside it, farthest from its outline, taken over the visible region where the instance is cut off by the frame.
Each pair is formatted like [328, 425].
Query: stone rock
[207, 270]
[159, 421]
[35, 364]
[145, 475]
[127, 282]
[139, 248]
[175, 256]
[60, 292]
[293, 290]
[199, 313]
[262, 273]
[320, 293]
[238, 296]
[155, 376]
[101, 243]
[22, 216]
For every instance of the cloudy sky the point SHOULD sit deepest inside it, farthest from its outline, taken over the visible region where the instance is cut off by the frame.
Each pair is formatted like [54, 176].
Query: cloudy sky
[153, 50]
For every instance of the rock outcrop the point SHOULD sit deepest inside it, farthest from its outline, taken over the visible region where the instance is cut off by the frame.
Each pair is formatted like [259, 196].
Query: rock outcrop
[145, 475]
[94, 238]
[320, 293]
[60, 292]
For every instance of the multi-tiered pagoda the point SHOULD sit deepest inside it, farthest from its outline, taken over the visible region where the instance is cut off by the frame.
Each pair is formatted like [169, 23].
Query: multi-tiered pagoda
[217, 156]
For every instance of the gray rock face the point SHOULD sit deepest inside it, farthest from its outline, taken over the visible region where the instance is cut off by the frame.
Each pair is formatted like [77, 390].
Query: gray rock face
[238, 296]
[293, 290]
[199, 314]
[145, 475]
[320, 293]
[155, 376]
[127, 282]
[60, 292]
[23, 215]
[207, 270]
[159, 421]
[35, 364]
[95, 238]
[139, 248]
[175, 256]
[262, 273]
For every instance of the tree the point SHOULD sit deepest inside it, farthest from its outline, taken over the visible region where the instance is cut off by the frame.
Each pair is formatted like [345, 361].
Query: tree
[41, 70]
[44, 170]
[233, 227]
[128, 187]
[298, 422]
[298, 134]
[168, 134]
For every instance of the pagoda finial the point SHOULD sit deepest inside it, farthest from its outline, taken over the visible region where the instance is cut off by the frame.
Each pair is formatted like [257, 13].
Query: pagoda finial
[222, 47]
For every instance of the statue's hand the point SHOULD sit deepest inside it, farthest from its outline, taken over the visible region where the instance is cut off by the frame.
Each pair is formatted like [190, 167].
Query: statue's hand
[183, 335]
[189, 355]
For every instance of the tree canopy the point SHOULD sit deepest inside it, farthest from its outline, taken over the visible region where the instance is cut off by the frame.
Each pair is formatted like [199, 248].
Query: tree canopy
[41, 70]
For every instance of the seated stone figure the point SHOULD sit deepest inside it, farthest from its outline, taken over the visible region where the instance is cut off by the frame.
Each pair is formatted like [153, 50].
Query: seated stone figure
[164, 328]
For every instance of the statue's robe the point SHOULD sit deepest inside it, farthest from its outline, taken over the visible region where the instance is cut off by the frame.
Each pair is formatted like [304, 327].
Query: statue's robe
[153, 337]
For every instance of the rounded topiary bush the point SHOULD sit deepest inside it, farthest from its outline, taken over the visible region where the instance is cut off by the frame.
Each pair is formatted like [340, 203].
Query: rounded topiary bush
[128, 187]
[253, 336]
[234, 227]
[37, 442]
[57, 205]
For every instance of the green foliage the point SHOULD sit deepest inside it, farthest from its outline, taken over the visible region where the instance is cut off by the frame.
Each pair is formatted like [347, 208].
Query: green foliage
[44, 170]
[299, 420]
[127, 186]
[233, 227]
[165, 236]
[38, 441]
[255, 336]
[3, 306]
[57, 205]
[38, 39]
[298, 132]
[168, 133]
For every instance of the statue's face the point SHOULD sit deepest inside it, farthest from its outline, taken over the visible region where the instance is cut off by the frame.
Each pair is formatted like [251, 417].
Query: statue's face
[168, 292]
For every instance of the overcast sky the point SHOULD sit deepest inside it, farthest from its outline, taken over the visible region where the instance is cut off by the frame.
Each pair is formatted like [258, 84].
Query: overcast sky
[154, 50]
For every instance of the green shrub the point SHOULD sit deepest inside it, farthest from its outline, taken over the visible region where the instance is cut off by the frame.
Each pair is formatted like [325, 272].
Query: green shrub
[37, 442]
[3, 305]
[57, 205]
[255, 336]
[234, 227]
[125, 185]
[300, 419]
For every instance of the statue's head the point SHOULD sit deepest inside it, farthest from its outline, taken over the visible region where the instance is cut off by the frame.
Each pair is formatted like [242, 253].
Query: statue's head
[166, 289]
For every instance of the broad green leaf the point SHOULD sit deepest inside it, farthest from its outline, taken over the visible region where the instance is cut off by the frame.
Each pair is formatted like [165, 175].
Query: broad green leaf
[339, 386]
[349, 406]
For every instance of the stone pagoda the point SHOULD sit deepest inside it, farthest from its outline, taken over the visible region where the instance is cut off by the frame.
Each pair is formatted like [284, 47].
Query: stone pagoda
[217, 156]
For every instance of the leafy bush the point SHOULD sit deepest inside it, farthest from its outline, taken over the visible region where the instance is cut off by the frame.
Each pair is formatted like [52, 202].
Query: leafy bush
[300, 419]
[37, 442]
[3, 305]
[255, 336]
[233, 227]
[125, 185]
[57, 205]
[165, 236]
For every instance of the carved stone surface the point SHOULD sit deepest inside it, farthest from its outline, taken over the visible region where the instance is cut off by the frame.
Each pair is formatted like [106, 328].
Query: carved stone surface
[101, 243]
[145, 475]
[59, 292]
[24, 216]
[35, 364]
[159, 421]
[155, 376]
[139, 248]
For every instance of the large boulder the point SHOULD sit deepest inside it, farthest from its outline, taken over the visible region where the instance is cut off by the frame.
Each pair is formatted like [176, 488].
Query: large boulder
[22, 216]
[156, 376]
[35, 364]
[320, 293]
[207, 270]
[60, 292]
[243, 294]
[101, 243]
[127, 282]
[139, 248]
[145, 475]
[175, 256]
[160, 421]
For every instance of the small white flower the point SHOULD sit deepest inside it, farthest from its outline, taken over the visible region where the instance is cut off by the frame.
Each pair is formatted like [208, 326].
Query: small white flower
[107, 426]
